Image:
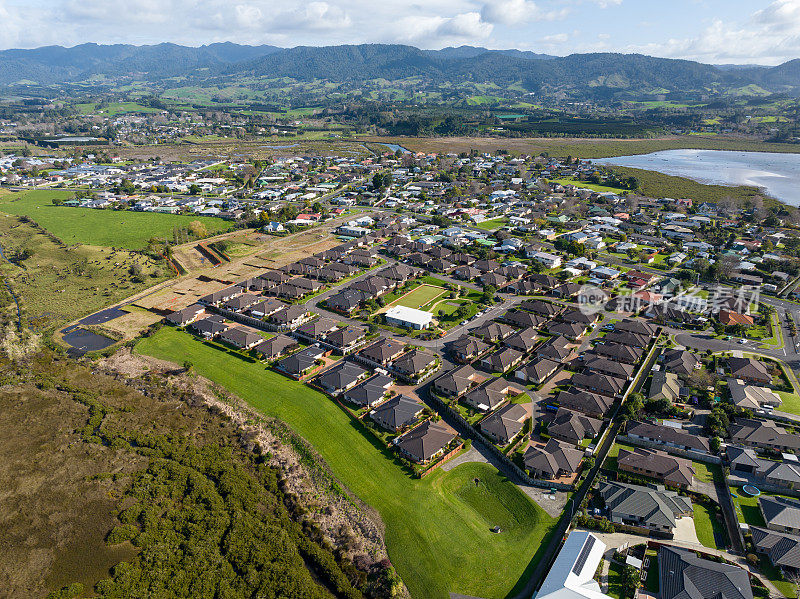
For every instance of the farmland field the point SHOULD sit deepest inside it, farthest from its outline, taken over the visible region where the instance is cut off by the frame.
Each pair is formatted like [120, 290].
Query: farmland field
[419, 296]
[110, 228]
[433, 525]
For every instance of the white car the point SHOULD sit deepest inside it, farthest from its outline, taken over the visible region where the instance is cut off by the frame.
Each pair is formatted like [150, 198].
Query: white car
[742, 341]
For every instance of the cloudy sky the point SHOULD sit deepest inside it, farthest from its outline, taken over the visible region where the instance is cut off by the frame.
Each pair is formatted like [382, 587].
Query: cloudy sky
[714, 31]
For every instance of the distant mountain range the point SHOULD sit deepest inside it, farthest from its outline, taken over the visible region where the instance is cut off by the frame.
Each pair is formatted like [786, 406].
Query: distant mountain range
[577, 73]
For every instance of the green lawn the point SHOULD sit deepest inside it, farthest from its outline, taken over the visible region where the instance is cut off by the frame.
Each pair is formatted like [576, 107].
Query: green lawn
[492, 224]
[706, 472]
[419, 296]
[615, 580]
[790, 402]
[747, 508]
[706, 524]
[587, 185]
[438, 528]
[110, 228]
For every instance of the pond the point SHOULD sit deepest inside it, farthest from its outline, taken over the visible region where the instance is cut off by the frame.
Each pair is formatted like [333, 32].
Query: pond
[777, 173]
[83, 340]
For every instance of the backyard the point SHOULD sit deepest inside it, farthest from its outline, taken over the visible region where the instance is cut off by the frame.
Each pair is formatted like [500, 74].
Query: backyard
[433, 525]
[110, 228]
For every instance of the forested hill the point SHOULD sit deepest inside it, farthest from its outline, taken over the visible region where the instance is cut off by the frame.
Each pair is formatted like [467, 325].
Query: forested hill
[231, 62]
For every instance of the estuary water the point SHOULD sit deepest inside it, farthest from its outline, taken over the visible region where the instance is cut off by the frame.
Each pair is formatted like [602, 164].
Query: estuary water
[777, 173]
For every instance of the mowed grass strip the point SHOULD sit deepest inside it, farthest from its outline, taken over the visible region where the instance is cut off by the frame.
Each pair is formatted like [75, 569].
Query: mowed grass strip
[706, 524]
[418, 297]
[110, 228]
[438, 529]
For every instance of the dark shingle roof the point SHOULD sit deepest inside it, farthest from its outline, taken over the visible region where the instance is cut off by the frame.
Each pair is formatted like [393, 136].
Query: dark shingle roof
[683, 575]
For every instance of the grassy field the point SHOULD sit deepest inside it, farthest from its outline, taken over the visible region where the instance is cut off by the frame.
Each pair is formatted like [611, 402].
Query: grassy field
[56, 285]
[492, 224]
[419, 297]
[583, 148]
[433, 525]
[587, 185]
[110, 228]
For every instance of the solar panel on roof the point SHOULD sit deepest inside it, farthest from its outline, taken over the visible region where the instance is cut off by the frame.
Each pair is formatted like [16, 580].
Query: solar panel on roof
[584, 555]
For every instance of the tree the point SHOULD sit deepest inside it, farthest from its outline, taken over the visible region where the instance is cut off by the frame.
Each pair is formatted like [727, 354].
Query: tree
[194, 189]
[198, 229]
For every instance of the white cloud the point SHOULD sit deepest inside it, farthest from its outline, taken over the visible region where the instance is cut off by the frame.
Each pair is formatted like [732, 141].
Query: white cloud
[768, 36]
[556, 38]
[518, 12]
[431, 31]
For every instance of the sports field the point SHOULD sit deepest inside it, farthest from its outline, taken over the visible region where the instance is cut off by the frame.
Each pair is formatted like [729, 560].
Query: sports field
[419, 297]
[110, 228]
[438, 529]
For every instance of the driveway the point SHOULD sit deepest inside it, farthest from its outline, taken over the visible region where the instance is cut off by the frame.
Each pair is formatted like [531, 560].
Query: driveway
[685, 531]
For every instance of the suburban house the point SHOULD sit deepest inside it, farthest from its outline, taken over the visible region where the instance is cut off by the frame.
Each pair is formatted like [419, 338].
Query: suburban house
[557, 349]
[782, 550]
[425, 442]
[466, 348]
[619, 352]
[667, 436]
[552, 460]
[573, 427]
[383, 351]
[210, 326]
[537, 371]
[346, 338]
[397, 413]
[414, 364]
[684, 575]
[600, 365]
[291, 316]
[301, 363]
[582, 401]
[341, 377]
[750, 370]
[752, 397]
[653, 507]
[572, 574]
[784, 473]
[187, 315]
[493, 331]
[781, 514]
[673, 471]
[501, 359]
[371, 392]
[523, 341]
[273, 348]
[765, 434]
[600, 383]
[679, 361]
[664, 385]
[491, 394]
[458, 381]
[266, 308]
[503, 425]
[241, 337]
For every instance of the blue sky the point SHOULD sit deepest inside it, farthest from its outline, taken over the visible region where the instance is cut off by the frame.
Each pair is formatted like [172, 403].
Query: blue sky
[714, 31]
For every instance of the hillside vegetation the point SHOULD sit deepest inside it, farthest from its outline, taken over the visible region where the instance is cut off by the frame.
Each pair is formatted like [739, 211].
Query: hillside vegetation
[130, 495]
